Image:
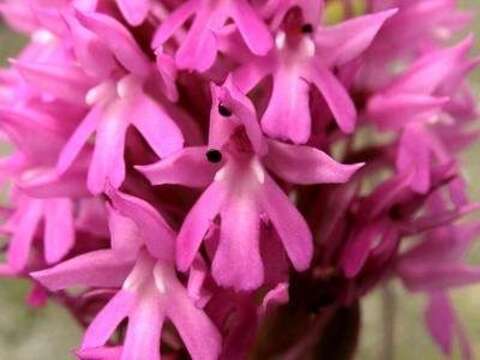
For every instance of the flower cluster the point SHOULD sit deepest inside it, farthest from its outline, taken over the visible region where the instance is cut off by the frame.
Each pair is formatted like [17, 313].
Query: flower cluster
[228, 178]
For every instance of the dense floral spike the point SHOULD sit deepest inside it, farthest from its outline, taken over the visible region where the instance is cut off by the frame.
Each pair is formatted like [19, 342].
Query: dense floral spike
[285, 161]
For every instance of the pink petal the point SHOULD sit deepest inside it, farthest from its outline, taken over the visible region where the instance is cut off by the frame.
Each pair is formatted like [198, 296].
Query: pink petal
[440, 320]
[197, 223]
[167, 72]
[306, 165]
[93, 55]
[199, 49]
[386, 194]
[100, 353]
[124, 233]
[335, 96]
[59, 229]
[289, 224]
[22, 238]
[49, 18]
[19, 16]
[156, 233]
[253, 30]
[101, 268]
[118, 39]
[51, 185]
[174, 21]
[277, 296]
[395, 111]
[104, 324]
[425, 75]
[287, 116]
[108, 164]
[414, 156]
[248, 75]
[359, 247]
[144, 329]
[64, 82]
[79, 138]
[197, 331]
[443, 218]
[422, 277]
[92, 217]
[155, 125]
[134, 11]
[188, 167]
[237, 262]
[347, 40]
[196, 280]
[31, 131]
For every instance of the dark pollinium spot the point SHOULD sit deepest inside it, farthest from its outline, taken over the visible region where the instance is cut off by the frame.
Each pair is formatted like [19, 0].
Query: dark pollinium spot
[307, 28]
[214, 156]
[396, 212]
[224, 111]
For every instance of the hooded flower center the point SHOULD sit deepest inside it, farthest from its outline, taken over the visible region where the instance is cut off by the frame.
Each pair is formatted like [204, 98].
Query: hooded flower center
[293, 39]
[294, 50]
[243, 175]
[239, 145]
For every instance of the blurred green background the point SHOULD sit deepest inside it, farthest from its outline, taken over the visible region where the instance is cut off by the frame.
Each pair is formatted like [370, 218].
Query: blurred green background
[49, 333]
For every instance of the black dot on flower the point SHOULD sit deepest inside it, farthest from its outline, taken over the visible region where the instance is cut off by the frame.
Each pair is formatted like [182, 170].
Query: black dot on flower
[214, 156]
[224, 111]
[307, 28]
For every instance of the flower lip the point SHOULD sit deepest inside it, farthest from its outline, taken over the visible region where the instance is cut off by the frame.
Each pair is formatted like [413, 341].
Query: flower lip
[214, 156]
[307, 28]
[224, 111]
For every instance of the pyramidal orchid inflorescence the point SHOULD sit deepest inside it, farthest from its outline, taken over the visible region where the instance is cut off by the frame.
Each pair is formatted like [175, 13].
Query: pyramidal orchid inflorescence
[227, 179]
